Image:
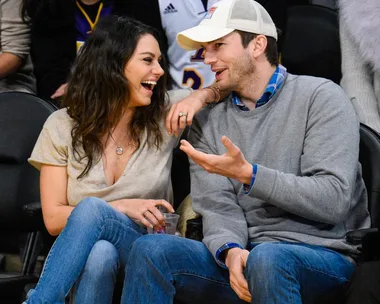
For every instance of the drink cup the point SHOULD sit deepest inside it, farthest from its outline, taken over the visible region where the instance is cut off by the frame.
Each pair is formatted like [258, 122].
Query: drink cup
[171, 221]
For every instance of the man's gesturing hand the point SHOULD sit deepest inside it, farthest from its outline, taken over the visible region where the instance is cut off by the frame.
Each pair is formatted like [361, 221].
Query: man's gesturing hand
[236, 260]
[231, 164]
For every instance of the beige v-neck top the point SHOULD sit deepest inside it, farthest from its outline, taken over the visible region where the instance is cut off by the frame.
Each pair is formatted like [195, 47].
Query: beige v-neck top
[146, 176]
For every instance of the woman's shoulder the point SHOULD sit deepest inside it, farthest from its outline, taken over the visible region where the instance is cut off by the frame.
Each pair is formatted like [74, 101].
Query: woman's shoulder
[59, 122]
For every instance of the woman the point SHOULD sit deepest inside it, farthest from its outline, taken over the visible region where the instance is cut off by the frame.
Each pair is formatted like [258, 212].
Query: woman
[105, 160]
[360, 44]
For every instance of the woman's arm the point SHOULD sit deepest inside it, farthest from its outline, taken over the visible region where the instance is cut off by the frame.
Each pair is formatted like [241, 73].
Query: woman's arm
[190, 105]
[55, 207]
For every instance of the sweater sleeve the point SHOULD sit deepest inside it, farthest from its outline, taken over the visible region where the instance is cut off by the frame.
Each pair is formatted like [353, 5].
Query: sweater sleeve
[357, 81]
[323, 189]
[15, 34]
[214, 198]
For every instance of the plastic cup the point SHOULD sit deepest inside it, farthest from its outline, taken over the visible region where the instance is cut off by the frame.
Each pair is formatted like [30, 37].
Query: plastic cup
[171, 220]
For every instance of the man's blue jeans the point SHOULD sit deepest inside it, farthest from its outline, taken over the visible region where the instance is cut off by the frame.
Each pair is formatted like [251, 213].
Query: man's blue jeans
[164, 266]
[90, 222]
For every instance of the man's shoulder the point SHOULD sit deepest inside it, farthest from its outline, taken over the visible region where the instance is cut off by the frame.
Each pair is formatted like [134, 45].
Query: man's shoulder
[307, 81]
[312, 82]
[311, 86]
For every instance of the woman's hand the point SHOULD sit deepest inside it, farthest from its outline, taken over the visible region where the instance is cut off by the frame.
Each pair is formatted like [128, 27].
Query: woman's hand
[182, 112]
[144, 210]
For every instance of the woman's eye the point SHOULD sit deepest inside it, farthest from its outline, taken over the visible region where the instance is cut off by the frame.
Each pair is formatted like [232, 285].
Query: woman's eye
[148, 60]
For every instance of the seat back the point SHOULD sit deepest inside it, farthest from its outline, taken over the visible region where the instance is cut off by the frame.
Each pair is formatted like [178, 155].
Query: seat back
[369, 157]
[22, 116]
[311, 44]
[180, 173]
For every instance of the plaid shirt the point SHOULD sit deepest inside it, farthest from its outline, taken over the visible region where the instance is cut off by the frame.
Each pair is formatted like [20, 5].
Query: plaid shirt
[275, 83]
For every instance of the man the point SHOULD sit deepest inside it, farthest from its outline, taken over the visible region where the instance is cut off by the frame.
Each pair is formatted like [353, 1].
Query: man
[276, 204]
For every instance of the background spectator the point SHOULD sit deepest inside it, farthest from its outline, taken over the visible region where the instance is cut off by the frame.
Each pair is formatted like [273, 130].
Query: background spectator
[59, 28]
[16, 71]
[360, 43]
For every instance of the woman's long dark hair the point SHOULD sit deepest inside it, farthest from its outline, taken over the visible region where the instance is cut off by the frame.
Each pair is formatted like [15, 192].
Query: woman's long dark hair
[97, 91]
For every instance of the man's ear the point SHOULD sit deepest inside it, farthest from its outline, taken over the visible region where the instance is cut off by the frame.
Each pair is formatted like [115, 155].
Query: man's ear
[258, 45]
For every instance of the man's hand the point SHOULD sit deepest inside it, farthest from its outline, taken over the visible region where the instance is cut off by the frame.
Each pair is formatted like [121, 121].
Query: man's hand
[236, 260]
[189, 106]
[231, 164]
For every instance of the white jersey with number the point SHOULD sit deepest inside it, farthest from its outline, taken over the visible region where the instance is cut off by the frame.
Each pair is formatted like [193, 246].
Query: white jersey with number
[185, 67]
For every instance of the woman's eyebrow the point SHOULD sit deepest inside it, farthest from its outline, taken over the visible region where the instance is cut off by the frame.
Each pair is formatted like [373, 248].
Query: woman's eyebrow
[149, 53]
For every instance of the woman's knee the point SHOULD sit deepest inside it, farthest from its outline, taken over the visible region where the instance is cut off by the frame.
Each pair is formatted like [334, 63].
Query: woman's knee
[88, 209]
[103, 260]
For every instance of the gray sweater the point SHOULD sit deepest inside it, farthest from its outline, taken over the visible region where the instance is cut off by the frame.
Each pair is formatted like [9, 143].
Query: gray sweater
[308, 186]
[360, 45]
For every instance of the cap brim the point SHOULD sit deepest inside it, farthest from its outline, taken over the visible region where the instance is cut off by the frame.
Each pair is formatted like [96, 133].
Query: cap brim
[192, 38]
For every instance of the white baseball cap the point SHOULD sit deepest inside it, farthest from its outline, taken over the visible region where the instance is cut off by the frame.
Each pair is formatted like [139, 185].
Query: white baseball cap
[223, 18]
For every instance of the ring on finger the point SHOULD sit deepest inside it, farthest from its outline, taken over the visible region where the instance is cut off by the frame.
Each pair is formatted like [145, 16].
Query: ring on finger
[180, 114]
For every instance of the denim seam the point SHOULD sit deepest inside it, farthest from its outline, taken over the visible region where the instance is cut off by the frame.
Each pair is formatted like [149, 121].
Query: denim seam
[322, 272]
[46, 264]
[184, 272]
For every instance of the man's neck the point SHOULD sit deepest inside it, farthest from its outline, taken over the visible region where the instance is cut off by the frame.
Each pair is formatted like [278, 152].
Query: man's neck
[251, 91]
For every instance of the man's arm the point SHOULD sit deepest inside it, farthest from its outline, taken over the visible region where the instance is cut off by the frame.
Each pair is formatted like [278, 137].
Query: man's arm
[323, 191]
[15, 37]
[214, 197]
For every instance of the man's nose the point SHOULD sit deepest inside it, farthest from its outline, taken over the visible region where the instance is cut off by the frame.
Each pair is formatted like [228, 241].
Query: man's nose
[209, 58]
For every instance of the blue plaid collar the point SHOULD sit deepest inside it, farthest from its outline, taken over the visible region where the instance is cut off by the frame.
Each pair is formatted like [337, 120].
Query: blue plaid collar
[275, 83]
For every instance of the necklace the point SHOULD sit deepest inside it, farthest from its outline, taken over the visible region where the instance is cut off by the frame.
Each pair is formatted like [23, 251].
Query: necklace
[119, 149]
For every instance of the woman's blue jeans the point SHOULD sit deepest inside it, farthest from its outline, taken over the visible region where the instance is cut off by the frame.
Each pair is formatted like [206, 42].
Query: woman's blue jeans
[98, 278]
[164, 267]
[92, 221]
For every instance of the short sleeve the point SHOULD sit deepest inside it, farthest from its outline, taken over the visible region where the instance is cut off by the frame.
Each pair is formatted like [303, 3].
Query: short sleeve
[52, 144]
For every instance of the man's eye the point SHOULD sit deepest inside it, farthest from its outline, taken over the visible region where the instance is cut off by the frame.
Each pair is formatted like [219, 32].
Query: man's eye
[218, 45]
